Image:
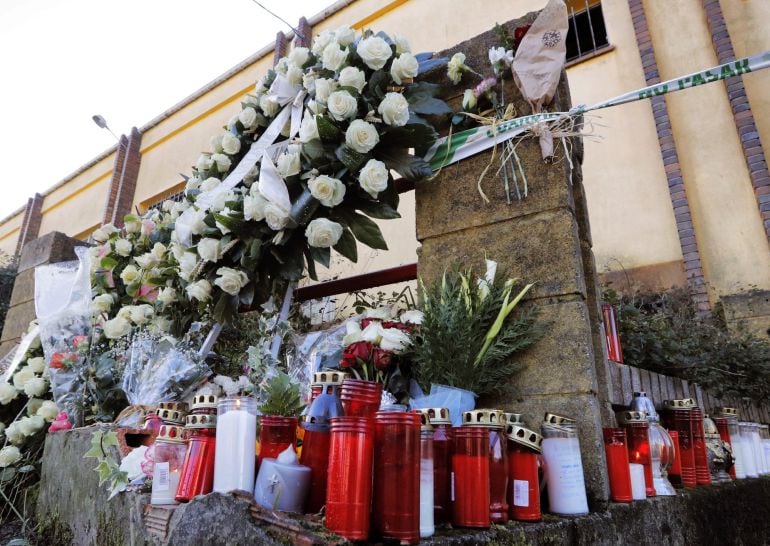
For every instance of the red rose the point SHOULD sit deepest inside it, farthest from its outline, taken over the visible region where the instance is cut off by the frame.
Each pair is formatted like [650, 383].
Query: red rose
[398, 325]
[365, 322]
[360, 350]
[57, 361]
[382, 358]
[519, 34]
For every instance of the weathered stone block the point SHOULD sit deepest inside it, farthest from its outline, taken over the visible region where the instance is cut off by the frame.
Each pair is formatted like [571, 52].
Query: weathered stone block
[52, 247]
[749, 311]
[23, 287]
[543, 248]
[17, 320]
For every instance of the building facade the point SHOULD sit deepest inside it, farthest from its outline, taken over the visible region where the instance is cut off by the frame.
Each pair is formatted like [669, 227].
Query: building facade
[678, 186]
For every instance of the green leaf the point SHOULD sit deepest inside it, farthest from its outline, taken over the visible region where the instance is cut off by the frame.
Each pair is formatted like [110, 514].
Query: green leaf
[347, 245]
[313, 149]
[310, 265]
[321, 255]
[409, 166]
[381, 211]
[351, 158]
[431, 106]
[367, 231]
[108, 263]
[104, 470]
[414, 135]
[378, 83]
[327, 130]
[111, 438]
[236, 225]
[225, 308]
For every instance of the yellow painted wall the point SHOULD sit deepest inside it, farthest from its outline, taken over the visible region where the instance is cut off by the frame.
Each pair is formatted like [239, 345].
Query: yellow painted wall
[733, 246]
[9, 232]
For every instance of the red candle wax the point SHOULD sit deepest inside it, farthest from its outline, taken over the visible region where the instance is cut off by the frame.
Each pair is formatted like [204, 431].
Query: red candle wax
[197, 477]
[702, 474]
[470, 477]
[679, 421]
[675, 472]
[617, 464]
[638, 435]
[442, 462]
[276, 433]
[498, 476]
[523, 484]
[315, 455]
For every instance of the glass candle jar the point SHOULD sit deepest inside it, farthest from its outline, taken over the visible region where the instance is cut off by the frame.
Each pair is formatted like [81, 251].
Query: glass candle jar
[765, 437]
[524, 449]
[661, 446]
[427, 525]
[563, 466]
[169, 455]
[315, 441]
[349, 491]
[492, 419]
[360, 398]
[198, 470]
[442, 462]
[276, 433]
[675, 472]
[759, 452]
[204, 404]
[470, 477]
[152, 422]
[702, 472]
[750, 464]
[396, 501]
[733, 436]
[638, 438]
[611, 333]
[235, 444]
[616, 452]
[676, 417]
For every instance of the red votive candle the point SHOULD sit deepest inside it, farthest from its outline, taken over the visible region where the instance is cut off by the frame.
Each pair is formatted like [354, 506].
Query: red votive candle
[442, 463]
[360, 398]
[197, 477]
[675, 472]
[524, 449]
[276, 433]
[676, 417]
[494, 420]
[470, 477]
[611, 333]
[723, 426]
[349, 487]
[396, 506]
[702, 473]
[616, 451]
[638, 437]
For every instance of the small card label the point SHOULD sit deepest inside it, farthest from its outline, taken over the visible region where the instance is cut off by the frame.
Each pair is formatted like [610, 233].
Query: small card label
[162, 481]
[520, 493]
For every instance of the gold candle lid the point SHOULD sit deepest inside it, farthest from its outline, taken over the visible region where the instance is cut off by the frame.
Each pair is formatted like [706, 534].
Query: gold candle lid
[727, 412]
[201, 421]
[171, 433]
[181, 407]
[679, 404]
[170, 416]
[626, 417]
[329, 377]
[490, 418]
[555, 419]
[525, 437]
[512, 418]
[436, 416]
[201, 401]
[424, 421]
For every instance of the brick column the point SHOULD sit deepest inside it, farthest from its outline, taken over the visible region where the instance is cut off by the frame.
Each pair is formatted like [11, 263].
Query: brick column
[305, 33]
[544, 238]
[125, 174]
[281, 47]
[30, 226]
[753, 152]
[676, 188]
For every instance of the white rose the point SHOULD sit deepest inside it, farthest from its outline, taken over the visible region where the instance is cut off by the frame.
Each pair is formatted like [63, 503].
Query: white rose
[215, 143]
[308, 80]
[33, 404]
[167, 296]
[500, 59]
[125, 312]
[322, 40]
[298, 56]
[374, 51]
[344, 35]
[361, 136]
[404, 67]
[197, 224]
[14, 433]
[7, 393]
[178, 208]
[248, 117]
[210, 183]
[282, 66]
[48, 410]
[9, 455]
[37, 363]
[288, 164]
[116, 328]
[187, 264]
[204, 162]
[160, 325]
[209, 250]
[334, 56]
[350, 76]
[269, 105]
[316, 107]
[342, 105]
[373, 178]
[329, 191]
[123, 247]
[37, 386]
[159, 250]
[455, 67]
[28, 426]
[323, 88]
[193, 183]
[231, 280]
[200, 290]
[469, 100]
[394, 340]
[295, 75]
[231, 144]
[252, 175]
[372, 333]
[133, 226]
[323, 233]
[402, 44]
[221, 199]
[254, 206]
[100, 236]
[103, 303]
[146, 261]
[394, 109]
[223, 162]
[141, 314]
[380, 313]
[353, 333]
[308, 130]
[276, 217]
[21, 377]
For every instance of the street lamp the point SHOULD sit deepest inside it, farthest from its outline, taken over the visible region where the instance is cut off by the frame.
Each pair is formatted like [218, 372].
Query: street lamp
[102, 123]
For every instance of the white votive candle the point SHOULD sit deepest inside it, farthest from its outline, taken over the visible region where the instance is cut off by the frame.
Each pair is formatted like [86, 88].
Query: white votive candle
[235, 455]
[564, 475]
[637, 482]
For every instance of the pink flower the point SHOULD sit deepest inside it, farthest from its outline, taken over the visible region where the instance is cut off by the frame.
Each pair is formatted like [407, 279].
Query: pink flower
[147, 227]
[484, 87]
[104, 250]
[62, 422]
[147, 292]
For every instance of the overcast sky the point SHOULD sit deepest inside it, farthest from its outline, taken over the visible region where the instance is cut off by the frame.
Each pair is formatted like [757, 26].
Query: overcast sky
[64, 61]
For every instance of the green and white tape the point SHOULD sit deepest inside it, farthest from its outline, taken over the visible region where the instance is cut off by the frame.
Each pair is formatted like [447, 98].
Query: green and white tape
[459, 146]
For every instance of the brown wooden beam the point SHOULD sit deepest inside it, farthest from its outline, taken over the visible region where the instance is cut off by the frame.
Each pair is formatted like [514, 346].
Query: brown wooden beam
[357, 282]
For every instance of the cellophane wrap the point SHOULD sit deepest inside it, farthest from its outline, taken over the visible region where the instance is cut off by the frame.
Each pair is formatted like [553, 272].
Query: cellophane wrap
[315, 351]
[443, 396]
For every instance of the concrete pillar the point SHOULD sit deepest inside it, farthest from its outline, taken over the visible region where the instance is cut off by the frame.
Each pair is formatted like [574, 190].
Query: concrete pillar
[544, 238]
[30, 226]
[125, 174]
